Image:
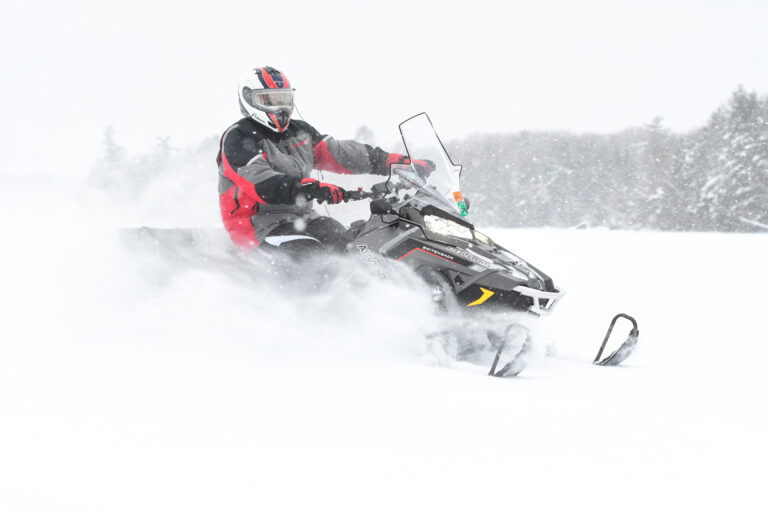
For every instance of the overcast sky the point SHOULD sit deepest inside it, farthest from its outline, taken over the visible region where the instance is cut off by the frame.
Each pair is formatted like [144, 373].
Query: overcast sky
[154, 68]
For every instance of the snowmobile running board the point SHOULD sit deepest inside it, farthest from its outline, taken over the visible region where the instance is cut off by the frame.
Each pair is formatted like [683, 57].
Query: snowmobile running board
[626, 348]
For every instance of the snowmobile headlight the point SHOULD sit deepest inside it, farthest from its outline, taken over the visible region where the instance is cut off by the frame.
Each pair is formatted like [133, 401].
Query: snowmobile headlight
[445, 227]
[483, 238]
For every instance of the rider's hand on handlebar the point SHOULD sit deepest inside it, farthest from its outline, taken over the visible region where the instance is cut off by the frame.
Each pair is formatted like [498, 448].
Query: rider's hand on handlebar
[323, 192]
[423, 168]
[396, 158]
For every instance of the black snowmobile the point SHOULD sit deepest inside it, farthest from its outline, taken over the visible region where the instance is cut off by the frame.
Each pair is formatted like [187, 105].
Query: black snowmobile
[423, 221]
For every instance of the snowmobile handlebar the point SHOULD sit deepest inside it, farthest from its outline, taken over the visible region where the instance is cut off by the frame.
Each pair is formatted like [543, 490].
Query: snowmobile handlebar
[380, 190]
[377, 191]
[359, 194]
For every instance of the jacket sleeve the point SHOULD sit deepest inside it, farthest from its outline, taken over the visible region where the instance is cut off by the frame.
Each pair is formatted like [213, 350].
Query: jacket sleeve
[347, 156]
[245, 165]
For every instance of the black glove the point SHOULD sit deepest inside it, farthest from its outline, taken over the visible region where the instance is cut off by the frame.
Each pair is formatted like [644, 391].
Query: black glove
[323, 192]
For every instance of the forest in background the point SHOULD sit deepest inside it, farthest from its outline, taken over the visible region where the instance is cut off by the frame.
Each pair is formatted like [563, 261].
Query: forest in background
[714, 178]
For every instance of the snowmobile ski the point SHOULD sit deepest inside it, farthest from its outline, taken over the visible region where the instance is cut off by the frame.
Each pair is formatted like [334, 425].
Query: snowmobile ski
[519, 361]
[626, 348]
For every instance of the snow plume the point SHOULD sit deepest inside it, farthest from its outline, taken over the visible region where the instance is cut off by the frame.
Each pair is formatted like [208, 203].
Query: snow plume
[99, 290]
[337, 313]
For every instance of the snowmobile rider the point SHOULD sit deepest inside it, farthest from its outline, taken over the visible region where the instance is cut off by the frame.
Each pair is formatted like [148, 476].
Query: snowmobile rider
[265, 160]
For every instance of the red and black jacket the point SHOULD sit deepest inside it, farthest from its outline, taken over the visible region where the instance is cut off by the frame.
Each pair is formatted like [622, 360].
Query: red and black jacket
[260, 172]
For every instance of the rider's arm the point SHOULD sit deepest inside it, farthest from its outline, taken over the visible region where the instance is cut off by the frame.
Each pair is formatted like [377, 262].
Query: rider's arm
[246, 165]
[348, 156]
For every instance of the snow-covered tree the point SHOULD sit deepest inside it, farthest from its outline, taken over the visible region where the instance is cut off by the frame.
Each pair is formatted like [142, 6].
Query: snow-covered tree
[735, 195]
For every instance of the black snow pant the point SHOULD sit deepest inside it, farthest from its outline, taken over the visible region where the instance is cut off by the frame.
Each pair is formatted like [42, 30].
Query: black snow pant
[322, 235]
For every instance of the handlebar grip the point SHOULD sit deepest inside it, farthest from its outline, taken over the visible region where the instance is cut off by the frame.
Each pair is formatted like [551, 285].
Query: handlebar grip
[357, 195]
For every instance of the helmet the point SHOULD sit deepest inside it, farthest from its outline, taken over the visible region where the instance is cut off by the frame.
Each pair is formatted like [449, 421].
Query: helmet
[267, 98]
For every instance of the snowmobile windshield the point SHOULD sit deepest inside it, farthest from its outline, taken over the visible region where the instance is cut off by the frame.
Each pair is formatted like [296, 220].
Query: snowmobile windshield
[271, 100]
[443, 182]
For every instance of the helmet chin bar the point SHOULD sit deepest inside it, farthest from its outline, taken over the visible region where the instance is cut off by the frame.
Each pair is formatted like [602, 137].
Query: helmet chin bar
[283, 120]
[279, 124]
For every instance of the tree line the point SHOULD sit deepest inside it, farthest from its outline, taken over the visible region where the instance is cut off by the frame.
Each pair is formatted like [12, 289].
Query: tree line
[713, 178]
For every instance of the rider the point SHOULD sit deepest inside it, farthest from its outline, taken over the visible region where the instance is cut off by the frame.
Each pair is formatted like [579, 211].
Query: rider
[265, 160]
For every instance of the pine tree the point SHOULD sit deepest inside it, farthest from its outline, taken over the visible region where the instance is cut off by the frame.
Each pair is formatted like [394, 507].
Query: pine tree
[735, 196]
[107, 169]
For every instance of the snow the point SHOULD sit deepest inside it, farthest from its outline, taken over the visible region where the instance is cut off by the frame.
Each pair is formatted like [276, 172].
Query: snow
[126, 384]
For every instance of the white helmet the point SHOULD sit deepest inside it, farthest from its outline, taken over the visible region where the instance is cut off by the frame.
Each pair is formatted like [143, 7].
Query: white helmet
[267, 98]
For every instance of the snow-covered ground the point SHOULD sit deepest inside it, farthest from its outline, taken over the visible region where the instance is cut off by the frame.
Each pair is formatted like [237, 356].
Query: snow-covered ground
[126, 385]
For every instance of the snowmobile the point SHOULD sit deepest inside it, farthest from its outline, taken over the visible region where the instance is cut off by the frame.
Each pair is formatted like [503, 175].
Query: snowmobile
[486, 294]
[424, 222]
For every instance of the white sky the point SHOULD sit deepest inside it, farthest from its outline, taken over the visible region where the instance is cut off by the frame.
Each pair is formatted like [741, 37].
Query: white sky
[159, 68]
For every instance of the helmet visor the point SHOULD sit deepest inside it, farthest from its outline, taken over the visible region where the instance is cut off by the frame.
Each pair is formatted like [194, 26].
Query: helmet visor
[270, 100]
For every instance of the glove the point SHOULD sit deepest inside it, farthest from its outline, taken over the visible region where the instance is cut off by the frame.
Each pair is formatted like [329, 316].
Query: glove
[323, 192]
[423, 168]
